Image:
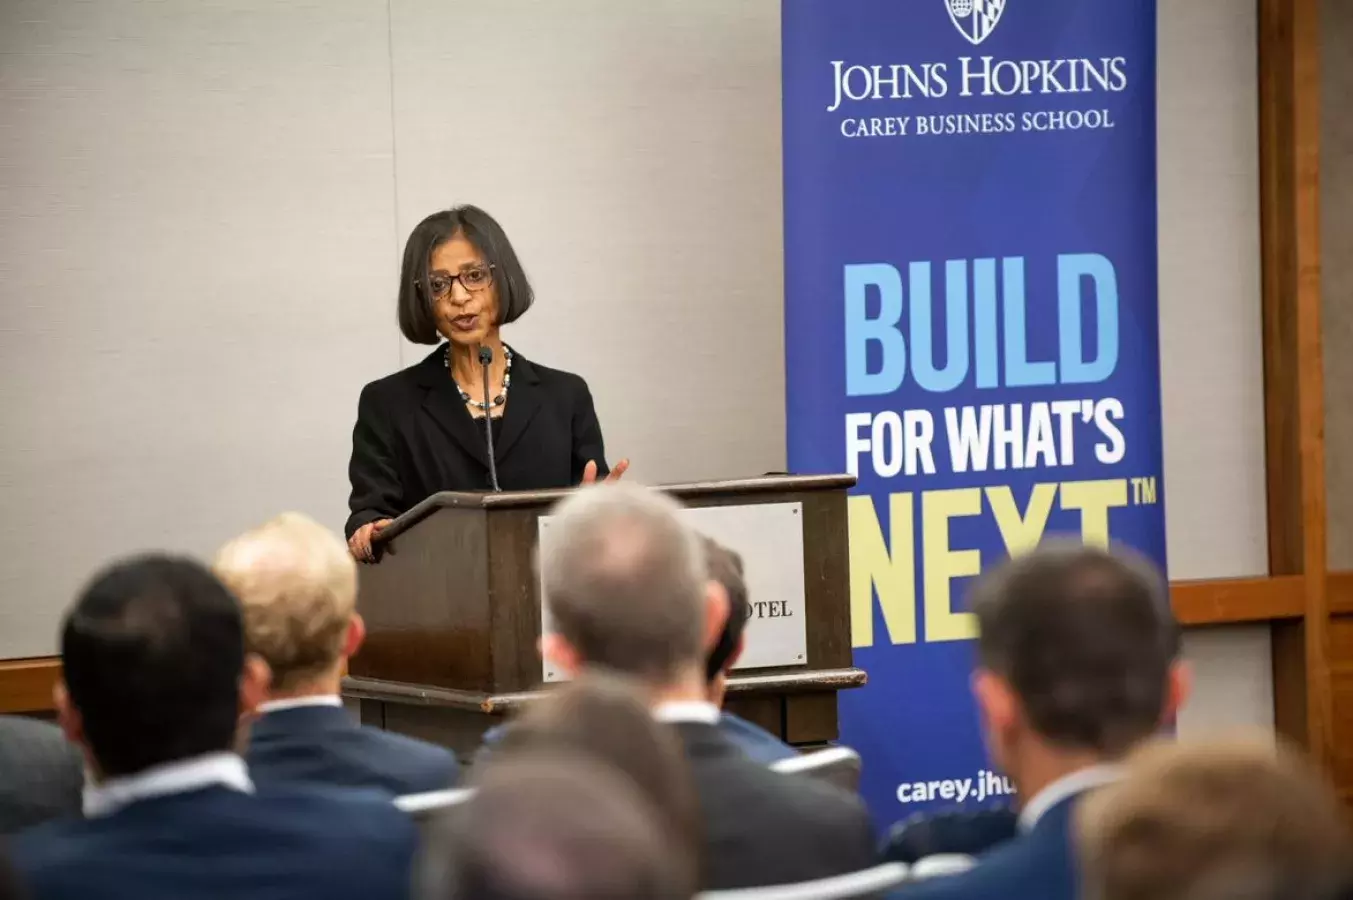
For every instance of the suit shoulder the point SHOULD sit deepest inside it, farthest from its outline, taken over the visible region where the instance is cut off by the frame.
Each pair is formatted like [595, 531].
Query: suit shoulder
[806, 802]
[1021, 868]
[359, 813]
[23, 728]
[758, 743]
[393, 385]
[832, 805]
[559, 378]
[50, 845]
[403, 382]
[48, 856]
[423, 766]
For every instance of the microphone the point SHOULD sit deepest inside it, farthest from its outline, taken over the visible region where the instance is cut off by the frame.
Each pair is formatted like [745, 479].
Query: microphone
[485, 358]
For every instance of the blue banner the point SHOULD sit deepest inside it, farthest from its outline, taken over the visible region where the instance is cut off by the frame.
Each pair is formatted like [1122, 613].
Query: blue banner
[970, 327]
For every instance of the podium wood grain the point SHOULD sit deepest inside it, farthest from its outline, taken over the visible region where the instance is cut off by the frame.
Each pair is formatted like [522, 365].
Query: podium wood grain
[453, 613]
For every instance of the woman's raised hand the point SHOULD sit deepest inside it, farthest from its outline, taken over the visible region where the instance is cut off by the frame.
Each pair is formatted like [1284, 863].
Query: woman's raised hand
[590, 471]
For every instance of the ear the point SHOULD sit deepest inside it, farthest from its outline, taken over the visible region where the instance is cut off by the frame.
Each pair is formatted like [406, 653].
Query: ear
[67, 716]
[716, 612]
[255, 680]
[737, 652]
[1177, 691]
[554, 648]
[355, 637]
[995, 700]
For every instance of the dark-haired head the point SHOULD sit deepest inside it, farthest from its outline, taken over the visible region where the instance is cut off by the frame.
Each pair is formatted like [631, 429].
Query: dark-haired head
[1077, 652]
[460, 279]
[154, 666]
[725, 569]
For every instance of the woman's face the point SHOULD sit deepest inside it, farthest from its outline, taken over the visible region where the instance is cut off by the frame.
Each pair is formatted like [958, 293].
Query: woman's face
[465, 317]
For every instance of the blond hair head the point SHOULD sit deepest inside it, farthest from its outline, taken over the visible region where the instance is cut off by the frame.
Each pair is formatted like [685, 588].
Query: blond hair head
[298, 588]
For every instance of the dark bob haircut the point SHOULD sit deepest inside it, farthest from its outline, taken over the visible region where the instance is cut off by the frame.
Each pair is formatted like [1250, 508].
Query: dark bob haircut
[482, 230]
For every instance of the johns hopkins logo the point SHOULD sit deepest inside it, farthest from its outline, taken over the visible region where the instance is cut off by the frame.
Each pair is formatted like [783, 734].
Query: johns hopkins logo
[975, 19]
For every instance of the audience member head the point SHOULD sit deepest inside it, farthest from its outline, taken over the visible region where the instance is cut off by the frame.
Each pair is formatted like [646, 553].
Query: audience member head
[297, 585]
[627, 589]
[154, 666]
[605, 717]
[1215, 821]
[724, 569]
[1077, 663]
[551, 828]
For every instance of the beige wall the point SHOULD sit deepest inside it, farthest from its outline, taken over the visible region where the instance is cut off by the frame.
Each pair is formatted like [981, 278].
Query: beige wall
[196, 240]
[201, 211]
[1336, 238]
[1211, 340]
[640, 180]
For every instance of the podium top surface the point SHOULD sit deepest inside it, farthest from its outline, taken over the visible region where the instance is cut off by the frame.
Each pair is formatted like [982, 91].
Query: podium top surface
[766, 484]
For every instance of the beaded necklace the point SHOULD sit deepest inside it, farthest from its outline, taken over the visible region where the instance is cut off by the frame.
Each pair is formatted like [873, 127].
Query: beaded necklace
[479, 404]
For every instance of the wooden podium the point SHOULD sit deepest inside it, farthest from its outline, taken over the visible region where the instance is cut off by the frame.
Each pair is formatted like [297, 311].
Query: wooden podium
[453, 615]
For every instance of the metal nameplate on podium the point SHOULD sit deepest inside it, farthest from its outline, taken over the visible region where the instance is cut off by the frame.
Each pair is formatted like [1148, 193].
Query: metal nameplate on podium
[769, 537]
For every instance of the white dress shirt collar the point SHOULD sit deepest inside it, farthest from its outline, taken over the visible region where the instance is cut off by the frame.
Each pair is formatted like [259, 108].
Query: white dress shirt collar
[1063, 788]
[299, 702]
[180, 777]
[699, 711]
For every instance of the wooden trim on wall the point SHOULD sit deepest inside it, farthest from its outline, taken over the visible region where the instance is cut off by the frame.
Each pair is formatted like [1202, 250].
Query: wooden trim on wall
[1233, 600]
[1339, 588]
[1289, 184]
[26, 684]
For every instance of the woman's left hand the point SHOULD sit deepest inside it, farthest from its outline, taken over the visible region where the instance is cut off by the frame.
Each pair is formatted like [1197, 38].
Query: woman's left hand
[617, 471]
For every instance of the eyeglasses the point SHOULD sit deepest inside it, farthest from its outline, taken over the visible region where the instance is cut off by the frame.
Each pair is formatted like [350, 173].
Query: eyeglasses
[472, 278]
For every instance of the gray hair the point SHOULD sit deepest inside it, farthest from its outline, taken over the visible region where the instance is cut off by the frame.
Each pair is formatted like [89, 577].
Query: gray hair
[624, 579]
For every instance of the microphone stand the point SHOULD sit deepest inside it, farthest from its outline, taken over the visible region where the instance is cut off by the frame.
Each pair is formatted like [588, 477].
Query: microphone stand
[485, 360]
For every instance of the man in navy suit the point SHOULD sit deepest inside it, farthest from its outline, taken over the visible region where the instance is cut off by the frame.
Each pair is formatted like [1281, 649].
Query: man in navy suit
[1077, 663]
[298, 586]
[156, 680]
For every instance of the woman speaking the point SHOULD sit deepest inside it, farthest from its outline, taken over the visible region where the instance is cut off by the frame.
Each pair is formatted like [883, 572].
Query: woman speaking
[425, 429]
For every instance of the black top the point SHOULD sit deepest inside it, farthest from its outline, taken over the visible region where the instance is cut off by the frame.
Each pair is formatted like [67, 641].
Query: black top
[497, 426]
[415, 437]
[762, 827]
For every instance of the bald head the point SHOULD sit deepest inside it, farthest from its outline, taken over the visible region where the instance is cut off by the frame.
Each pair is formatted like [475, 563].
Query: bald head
[625, 581]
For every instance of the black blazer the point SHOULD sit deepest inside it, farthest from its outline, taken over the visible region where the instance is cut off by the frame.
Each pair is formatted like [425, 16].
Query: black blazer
[324, 745]
[763, 827]
[414, 437]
